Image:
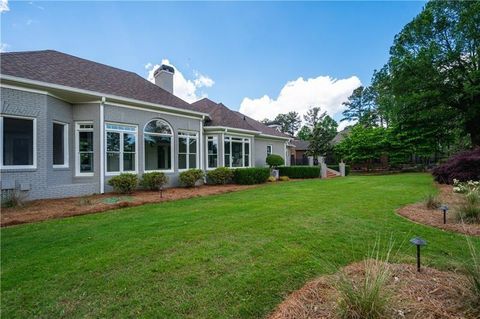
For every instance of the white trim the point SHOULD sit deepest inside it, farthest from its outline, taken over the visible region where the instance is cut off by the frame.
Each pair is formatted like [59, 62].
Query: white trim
[150, 110]
[271, 149]
[188, 136]
[172, 147]
[34, 133]
[121, 150]
[201, 154]
[215, 139]
[77, 148]
[243, 151]
[231, 129]
[268, 136]
[19, 88]
[99, 94]
[102, 146]
[66, 148]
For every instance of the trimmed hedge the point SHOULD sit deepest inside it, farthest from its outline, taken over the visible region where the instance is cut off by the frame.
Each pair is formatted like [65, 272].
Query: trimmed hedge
[220, 176]
[300, 171]
[253, 175]
[154, 180]
[274, 160]
[337, 168]
[124, 183]
[191, 177]
[463, 166]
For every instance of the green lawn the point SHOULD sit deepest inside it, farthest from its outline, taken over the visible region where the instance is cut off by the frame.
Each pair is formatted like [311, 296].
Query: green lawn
[226, 256]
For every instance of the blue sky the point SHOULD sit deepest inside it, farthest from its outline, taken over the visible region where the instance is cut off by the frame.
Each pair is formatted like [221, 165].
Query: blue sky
[233, 50]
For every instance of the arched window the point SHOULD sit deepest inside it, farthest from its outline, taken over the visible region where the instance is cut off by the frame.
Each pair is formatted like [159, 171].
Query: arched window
[158, 137]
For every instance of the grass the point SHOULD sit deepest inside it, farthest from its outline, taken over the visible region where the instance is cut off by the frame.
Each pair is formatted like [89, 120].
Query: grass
[234, 255]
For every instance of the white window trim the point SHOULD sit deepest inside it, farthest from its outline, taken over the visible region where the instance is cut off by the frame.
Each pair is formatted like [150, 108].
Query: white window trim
[214, 138]
[271, 149]
[77, 148]
[19, 167]
[229, 137]
[188, 135]
[107, 173]
[172, 147]
[65, 145]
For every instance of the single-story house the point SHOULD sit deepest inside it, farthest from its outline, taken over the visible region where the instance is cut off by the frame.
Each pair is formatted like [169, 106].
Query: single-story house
[69, 124]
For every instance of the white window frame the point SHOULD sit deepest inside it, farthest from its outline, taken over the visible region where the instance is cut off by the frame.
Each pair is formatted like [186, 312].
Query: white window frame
[243, 141]
[77, 147]
[213, 138]
[120, 130]
[65, 145]
[271, 149]
[172, 147]
[34, 165]
[188, 135]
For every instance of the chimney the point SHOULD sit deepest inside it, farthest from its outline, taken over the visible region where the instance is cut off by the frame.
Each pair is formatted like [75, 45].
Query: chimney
[164, 77]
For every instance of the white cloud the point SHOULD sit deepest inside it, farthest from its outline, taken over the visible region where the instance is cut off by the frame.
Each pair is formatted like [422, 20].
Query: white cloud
[186, 89]
[4, 47]
[300, 95]
[4, 6]
[344, 124]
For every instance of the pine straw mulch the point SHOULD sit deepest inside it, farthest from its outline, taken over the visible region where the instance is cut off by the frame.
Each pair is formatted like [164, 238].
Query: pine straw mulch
[430, 294]
[44, 209]
[419, 213]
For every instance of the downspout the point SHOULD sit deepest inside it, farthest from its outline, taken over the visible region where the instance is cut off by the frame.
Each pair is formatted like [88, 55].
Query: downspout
[102, 146]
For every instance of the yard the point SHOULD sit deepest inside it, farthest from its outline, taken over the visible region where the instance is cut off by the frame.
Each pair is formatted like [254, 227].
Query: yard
[234, 255]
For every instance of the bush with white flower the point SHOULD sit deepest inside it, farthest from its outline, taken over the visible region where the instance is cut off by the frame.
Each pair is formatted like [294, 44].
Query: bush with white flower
[466, 187]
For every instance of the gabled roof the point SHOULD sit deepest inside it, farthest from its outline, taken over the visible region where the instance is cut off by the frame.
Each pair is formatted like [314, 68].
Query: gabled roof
[63, 69]
[301, 145]
[220, 115]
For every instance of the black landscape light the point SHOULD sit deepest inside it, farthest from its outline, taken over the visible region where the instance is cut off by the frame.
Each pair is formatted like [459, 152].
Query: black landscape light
[444, 208]
[417, 241]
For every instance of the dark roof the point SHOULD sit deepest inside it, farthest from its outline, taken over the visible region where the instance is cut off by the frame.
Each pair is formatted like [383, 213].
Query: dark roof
[341, 135]
[301, 145]
[220, 115]
[64, 69]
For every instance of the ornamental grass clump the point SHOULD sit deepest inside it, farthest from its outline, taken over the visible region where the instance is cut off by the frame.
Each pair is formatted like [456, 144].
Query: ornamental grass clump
[469, 210]
[473, 277]
[368, 296]
[432, 202]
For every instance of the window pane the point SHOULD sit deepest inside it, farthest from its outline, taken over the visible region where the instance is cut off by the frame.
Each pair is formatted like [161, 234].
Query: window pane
[192, 161]
[113, 142]
[227, 147]
[157, 152]
[17, 141]
[246, 163]
[182, 161]
[113, 162]
[129, 161]
[128, 142]
[158, 126]
[237, 155]
[86, 162]
[227, 160]
[182, 145]
[212, 160]
[192, 146]
[247, 148]
[212, 147]
[58, 144]
[85, 141]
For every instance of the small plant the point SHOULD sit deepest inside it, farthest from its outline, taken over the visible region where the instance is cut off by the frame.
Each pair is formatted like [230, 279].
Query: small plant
[432, 202]
[469, 211]
[465, 187]
[274, 160]
[473, 276]
[13, 198]
[191, 177]
[366, 298]
[154, 181]
[220, 176]
[283, 178]
[271, 179]
[124, 183]
[85, 201]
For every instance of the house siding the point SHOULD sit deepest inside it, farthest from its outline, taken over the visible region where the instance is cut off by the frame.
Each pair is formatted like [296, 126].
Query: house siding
[261, 150]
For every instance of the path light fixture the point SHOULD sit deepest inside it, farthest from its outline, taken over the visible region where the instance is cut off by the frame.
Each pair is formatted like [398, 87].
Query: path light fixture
[444, 208]
[418, 241]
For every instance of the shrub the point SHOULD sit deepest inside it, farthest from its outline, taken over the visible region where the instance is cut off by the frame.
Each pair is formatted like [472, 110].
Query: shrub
[191, 177]
[463, 166]
[469, 211]
[253, 175]
[13, 198]
[300, 171]
[432, 202]
[124, 183]
[337, 168]
[271, 179]
[284, 178]
[220, 176]
[274, 160]
[154, 180]
[465, 187]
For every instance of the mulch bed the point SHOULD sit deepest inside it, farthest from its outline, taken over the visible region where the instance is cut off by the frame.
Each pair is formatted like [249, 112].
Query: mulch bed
[434, 217]
[429, 294]
[43, 209]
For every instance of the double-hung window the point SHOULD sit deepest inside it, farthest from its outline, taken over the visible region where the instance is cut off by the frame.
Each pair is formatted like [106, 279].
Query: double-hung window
[121, 148]
[237, 151]
[18, 142]
[60, 144]
[187, 150]
[212, 151]
[84, 148]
